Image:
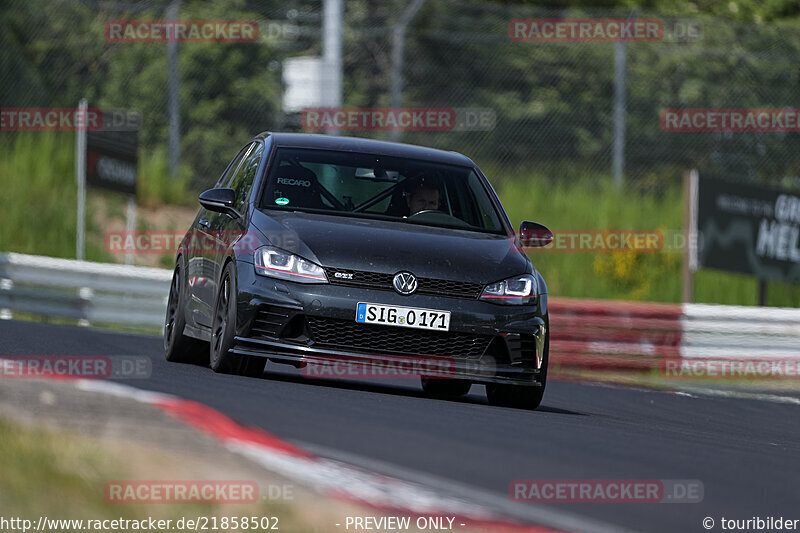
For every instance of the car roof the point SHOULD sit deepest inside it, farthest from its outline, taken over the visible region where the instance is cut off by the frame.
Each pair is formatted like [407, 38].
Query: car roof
[367, 146]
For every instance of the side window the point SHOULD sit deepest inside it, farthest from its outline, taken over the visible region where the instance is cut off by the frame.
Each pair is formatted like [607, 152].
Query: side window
[242, 182]
[226, 177]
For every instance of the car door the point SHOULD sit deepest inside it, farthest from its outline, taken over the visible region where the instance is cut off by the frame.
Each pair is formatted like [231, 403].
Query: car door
[201, 258]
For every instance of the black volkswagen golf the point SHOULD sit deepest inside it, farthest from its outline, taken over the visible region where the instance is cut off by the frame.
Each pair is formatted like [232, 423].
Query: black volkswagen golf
[315, 249]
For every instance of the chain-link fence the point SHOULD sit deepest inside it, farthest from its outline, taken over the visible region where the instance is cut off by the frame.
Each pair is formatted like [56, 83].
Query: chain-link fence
[553, 104]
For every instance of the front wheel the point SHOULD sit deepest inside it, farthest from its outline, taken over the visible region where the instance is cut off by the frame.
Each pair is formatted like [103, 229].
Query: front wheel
[522, 396]
[223, 330]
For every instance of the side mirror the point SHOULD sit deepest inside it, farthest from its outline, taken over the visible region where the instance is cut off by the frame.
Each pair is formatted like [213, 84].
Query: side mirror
[534, 235]
[220, 200]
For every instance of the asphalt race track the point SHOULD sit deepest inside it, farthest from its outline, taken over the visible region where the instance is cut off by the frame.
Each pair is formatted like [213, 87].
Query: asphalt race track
[746, 452]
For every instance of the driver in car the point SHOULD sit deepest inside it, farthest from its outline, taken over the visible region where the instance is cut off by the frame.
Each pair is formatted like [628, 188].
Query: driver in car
[422, 196]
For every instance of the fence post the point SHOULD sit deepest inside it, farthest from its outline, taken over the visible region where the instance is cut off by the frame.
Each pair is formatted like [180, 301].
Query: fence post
[689, 235]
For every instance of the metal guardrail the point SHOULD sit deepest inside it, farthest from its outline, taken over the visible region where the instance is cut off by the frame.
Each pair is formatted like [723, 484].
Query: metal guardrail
[584, 332]
[632, 335]
[734, 332]
[90, 293]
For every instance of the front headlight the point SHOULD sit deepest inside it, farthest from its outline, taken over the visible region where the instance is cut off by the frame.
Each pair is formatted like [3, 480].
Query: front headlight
[517, 290]
[275, 263]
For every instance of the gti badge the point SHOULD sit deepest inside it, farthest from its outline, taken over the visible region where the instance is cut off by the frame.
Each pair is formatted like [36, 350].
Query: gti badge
[405, 282]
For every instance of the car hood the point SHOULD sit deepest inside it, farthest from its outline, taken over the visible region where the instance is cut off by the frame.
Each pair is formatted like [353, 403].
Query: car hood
[389, 247]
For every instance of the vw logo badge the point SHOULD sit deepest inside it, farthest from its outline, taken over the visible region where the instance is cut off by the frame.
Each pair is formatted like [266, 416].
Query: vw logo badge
[405, 282]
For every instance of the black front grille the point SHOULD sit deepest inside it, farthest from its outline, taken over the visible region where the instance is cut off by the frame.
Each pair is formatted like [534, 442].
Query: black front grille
[370, 338]
[443, 287]
[360, 278]
[426, 286]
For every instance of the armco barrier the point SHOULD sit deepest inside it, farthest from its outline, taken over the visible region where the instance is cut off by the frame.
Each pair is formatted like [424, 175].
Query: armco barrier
[91, 293]
[585, 333]
[604, 334]
[610, 334]
[722, 331]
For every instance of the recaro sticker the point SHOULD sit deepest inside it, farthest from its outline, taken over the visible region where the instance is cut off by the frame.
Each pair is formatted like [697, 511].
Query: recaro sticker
[294, 182]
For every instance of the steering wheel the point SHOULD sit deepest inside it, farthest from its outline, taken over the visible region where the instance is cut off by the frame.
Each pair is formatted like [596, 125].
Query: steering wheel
[434, 216]
[427, 212]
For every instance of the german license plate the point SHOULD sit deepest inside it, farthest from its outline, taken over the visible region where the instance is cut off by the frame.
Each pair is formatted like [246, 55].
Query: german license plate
[408, 317]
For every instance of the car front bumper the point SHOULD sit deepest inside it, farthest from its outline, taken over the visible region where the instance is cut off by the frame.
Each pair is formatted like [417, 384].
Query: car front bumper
[304, 324]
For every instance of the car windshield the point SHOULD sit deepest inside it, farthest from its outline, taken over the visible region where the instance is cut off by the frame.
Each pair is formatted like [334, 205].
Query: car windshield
[374, 186]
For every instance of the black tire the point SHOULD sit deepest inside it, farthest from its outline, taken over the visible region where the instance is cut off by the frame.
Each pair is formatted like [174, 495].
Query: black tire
[223, 325]
[445, 388]
[522, 396]
[178, 348]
